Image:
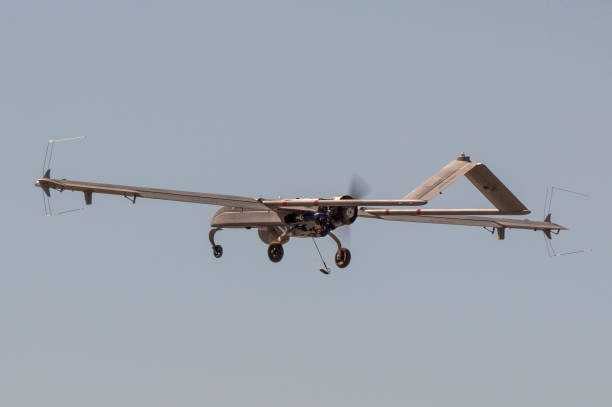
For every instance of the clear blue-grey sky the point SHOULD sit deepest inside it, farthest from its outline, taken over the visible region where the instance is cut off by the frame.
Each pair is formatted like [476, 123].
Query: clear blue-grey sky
[124, 304]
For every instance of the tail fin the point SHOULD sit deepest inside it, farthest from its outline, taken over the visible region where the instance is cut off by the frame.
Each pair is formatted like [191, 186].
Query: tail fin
[43, 185]
[547, 231]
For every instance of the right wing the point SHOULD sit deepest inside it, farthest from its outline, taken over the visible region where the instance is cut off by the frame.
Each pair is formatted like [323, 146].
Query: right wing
[88, 188]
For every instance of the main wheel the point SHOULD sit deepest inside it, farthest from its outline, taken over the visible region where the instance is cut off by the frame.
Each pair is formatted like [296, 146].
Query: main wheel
[217, 251]
[275, 252]
[343, 257]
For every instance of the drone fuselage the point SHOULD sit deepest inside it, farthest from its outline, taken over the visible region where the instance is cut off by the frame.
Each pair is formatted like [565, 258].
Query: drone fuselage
[280, 224]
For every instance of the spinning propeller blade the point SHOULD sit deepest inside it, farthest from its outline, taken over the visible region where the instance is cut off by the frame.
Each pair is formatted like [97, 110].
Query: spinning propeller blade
[358, 189]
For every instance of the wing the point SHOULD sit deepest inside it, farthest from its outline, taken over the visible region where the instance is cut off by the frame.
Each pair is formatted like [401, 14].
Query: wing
[88, 188]
[479, 175]
[465, 219]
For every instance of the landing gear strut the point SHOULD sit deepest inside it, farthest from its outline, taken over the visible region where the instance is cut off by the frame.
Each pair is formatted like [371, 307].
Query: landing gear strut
[216, 248]
[275, 252]
[343, 255]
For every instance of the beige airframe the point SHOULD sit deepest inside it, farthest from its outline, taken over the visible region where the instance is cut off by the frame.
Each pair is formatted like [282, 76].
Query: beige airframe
[279, 220]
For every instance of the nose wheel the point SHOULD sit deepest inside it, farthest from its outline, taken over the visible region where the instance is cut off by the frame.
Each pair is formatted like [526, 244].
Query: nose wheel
[342, 257]
[275, 252]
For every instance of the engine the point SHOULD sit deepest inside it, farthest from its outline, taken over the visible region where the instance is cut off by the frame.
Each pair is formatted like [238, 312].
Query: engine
[323, 221]
[343, 215]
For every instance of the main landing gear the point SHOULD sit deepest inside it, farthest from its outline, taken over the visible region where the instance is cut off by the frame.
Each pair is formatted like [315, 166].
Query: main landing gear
[216, 248]
[342, 257]
[275, 252]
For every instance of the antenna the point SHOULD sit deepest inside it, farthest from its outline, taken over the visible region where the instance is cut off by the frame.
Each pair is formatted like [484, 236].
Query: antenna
[549, 197]
[51, 147]
[47, 174]
[550, 250]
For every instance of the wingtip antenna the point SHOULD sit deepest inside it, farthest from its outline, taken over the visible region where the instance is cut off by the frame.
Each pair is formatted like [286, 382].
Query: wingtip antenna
[548, 232]
[549, 196]
[60, 140]
[47, 175]
[50, 147]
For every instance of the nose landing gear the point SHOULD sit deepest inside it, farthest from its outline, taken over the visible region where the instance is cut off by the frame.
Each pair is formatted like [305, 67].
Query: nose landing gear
[342, 257]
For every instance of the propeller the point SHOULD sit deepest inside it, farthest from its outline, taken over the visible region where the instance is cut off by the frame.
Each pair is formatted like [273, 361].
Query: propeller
[358, 189]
